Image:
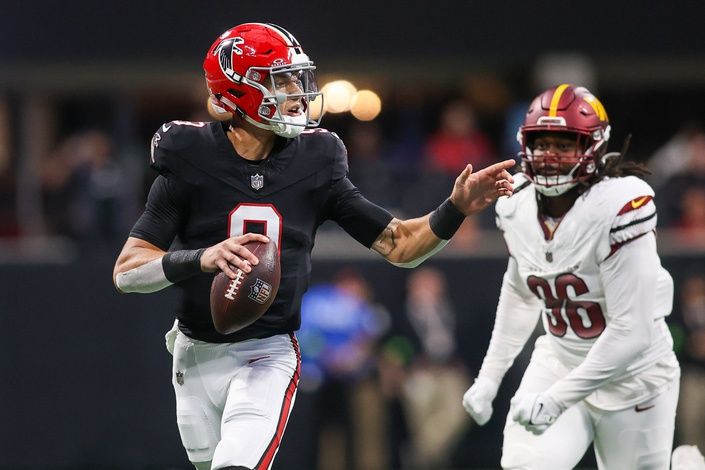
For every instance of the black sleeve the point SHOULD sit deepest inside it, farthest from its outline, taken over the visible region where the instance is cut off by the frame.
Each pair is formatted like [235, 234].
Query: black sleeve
[360, 218]
[163, 213]
[340, 158]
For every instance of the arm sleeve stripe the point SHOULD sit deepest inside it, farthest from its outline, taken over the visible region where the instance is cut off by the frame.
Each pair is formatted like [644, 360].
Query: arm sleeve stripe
[617, 246]
[633, 222]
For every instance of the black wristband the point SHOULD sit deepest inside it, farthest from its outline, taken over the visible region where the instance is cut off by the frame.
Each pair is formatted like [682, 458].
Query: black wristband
[446, 220]
[179, 265]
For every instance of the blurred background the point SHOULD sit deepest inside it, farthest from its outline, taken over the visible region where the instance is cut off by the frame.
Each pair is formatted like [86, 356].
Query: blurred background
[416, 90]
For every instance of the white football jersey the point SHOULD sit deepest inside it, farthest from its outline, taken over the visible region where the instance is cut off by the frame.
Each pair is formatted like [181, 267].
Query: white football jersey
[561, 266]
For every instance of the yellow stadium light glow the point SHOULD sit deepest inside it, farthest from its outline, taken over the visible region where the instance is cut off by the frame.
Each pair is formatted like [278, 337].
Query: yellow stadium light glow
[338, 95]
[365, 105]
[316, 108]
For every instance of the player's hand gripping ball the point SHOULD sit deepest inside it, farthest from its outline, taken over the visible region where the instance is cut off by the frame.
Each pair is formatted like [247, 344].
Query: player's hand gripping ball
[237, 303]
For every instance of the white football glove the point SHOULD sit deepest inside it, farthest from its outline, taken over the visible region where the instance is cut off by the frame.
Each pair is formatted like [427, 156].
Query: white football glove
[687, 458]
[535, 411]
[478, 399]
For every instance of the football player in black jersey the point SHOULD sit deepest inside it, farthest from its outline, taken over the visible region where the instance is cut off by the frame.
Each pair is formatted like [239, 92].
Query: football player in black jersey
[261, 170]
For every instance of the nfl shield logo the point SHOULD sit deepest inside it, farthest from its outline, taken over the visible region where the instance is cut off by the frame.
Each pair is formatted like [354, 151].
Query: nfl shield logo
[179, 377]
[260, 291]
[256, 181]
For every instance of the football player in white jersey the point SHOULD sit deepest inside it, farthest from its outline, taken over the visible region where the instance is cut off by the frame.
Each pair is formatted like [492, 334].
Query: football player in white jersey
[582, 256]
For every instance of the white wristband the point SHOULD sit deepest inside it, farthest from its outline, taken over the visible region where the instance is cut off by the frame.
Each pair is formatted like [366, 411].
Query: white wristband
[421, 259]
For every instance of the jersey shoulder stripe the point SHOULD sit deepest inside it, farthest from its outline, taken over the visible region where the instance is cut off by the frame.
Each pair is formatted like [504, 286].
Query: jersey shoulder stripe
[622, 209]
[521, 186]
[634, 222]
[635, 204]
[635, 217]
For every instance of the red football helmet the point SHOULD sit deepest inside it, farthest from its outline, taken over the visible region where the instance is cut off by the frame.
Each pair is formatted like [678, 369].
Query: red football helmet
[254, 68]
[570, 110]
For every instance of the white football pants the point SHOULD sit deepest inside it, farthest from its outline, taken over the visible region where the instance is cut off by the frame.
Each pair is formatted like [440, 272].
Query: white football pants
[624, 439]
[233, 400]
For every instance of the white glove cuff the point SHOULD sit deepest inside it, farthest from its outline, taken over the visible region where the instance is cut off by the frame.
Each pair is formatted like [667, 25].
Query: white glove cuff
[486, 387]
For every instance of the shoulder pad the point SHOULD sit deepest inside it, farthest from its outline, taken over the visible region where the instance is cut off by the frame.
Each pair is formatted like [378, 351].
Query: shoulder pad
[173, 137]
[521, 182]
[506, 206]
[631, 208]
[331, 147]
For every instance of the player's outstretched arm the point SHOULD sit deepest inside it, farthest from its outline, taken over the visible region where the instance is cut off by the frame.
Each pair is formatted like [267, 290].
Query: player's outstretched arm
[407, 243]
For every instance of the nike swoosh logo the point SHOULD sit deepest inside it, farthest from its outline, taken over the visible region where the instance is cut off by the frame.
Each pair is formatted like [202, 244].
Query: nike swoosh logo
[538, 412]
[637, 203]
[166, 128]
[257, 359]
[639, 410]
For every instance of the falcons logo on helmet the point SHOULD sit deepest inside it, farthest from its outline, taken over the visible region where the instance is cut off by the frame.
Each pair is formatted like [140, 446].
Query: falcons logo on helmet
[225, 57]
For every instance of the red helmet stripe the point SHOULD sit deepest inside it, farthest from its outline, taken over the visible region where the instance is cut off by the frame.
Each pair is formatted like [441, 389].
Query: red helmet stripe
[553, 110]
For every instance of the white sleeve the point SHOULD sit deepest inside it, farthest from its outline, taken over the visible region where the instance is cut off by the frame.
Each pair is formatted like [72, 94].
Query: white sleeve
[629, 278]
[143, 279]
[517, 314]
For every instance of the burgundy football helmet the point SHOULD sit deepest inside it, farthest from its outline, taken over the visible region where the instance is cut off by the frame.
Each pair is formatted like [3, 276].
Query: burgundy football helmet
[254, 68]
[568, 110]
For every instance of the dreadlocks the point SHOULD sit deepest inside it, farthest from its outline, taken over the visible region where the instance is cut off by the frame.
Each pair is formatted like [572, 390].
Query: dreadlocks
[613, 165]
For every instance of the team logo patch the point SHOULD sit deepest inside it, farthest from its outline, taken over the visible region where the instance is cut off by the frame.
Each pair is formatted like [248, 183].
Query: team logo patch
[257, 181]
[179, 377]
[260, 291]
[637, 203]
[155, 145]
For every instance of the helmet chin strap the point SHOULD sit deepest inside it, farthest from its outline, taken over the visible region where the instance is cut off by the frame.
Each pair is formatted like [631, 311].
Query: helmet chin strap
[555, 190]
[293, 127]
[559, 188]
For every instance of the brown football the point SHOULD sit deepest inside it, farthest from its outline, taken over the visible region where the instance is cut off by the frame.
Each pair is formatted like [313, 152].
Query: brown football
[237, 303]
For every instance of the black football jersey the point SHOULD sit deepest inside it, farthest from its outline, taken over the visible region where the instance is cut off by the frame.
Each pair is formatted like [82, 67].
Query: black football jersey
[206, 193]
